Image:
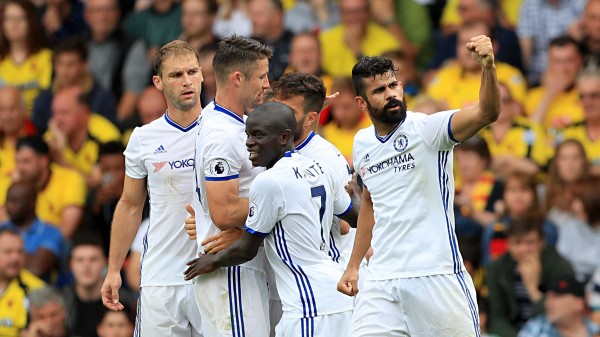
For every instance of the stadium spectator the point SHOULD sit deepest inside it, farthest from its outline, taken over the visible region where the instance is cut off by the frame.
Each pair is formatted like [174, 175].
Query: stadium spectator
[15, 283]
[61, 191]
[516, 143]
[425, 104]
[118, 61]
[209, 85]
[586, 31]
[25, 62]
[406, 73]
[44, 245]
[519, 201]
[311, 16]
[555, 103]
[568, 167]
[456, 82]
[476, 187]
[13, 125]
[593, 295]
[197, 19]
[48, 314]
[62, 19]
[539, 22]
[587, 132]
[565, 312]
[156, 26]
[347, 119]
[579, 235]
[71, 69]
[232, 18]
[506, 10]
[267, 27]
[356, 36]
[508, 49]
[515, 279]
[151, 106]
[116, 324]
[72, 139]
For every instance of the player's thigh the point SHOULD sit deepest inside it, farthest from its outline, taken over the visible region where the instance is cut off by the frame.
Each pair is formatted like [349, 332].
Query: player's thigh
[321, 326]
[233, 301]
[162, 311]
[377, 311]
[440, 305]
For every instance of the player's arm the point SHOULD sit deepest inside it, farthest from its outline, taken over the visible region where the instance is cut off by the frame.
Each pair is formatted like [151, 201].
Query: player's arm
[126, 222]
[227, 209]
[348, 284]
[243, 250]
[468, 121]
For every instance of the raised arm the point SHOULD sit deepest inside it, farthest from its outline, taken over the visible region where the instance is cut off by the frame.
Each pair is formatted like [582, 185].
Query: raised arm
[126, 222]
[468, 121]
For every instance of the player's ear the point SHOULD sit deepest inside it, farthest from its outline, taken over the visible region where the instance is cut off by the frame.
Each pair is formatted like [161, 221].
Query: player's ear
[157, 82]
[285, 136]
[362, 103]
[236, 77]
[311, 118]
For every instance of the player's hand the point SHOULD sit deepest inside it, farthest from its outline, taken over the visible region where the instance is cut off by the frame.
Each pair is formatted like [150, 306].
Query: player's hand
[218, 242]
[329, 99]
[198, 266]
[348, 284]
[190, 222]
[481, 50]
[110, 291]
[353, 188]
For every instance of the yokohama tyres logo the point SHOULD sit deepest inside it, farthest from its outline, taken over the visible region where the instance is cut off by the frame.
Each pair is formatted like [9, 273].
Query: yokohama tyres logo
[158, 166]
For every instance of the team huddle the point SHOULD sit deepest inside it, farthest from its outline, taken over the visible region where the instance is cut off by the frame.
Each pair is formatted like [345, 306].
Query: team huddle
[270, 202]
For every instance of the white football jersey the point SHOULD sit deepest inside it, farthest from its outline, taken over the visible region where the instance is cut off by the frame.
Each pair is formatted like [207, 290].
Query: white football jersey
[221, 154]
[409, 176]
[293, 204]
[318, 148]
[163, 152]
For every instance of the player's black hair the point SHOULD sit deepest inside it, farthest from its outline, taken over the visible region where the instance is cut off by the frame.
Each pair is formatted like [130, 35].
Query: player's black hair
[298, 84]
[241, 53]
[370, 67]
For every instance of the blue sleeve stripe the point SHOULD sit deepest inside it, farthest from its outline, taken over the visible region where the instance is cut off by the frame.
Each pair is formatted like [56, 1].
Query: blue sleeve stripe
[346, 211]
[450, 129]
[253, 232]
[235, 176]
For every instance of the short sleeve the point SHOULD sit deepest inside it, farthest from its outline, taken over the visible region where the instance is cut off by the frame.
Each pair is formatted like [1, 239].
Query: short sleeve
[267, 205]
[342, 203]
[435, 129]
[222, 158]
[134, 166]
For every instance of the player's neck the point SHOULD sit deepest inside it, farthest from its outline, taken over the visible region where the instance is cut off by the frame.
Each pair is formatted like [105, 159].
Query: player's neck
[384, 129]
[184, 118]
[303, 138]
[228, 99]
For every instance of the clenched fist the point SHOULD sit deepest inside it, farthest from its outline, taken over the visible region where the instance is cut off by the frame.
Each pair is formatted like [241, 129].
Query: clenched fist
[481, 50]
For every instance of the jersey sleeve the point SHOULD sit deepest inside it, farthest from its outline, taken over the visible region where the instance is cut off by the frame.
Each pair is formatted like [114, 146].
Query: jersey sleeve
[134, 165]
[222, 158]
[267, 205]
[342, 203]
[436, 130]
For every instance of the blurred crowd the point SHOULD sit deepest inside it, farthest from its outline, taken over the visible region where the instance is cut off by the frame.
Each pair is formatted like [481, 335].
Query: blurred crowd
[76, 78]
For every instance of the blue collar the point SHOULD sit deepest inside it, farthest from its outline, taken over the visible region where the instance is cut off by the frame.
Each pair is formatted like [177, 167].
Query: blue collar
[306, 141]
[177, 126]
[228, 113]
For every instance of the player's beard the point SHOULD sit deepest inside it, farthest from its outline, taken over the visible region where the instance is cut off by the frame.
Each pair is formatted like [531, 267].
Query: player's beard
[386, 116]
[299, 132]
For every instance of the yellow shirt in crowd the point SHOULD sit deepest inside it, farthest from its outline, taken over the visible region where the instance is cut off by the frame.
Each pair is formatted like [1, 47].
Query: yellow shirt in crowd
[509, 8]
[13, 303]
[343, 139]
[100, 130]
[337, 59]
[31, 76]
[565, 109]
[579, 133]
[459, 89]
[525, 139]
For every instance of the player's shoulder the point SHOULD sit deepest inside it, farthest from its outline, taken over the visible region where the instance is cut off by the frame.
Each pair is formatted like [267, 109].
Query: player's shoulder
[367, 133]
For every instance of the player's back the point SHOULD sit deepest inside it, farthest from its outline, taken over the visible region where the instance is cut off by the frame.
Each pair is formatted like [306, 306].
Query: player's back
[318, 148]
[303, 195]
[163, 153]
